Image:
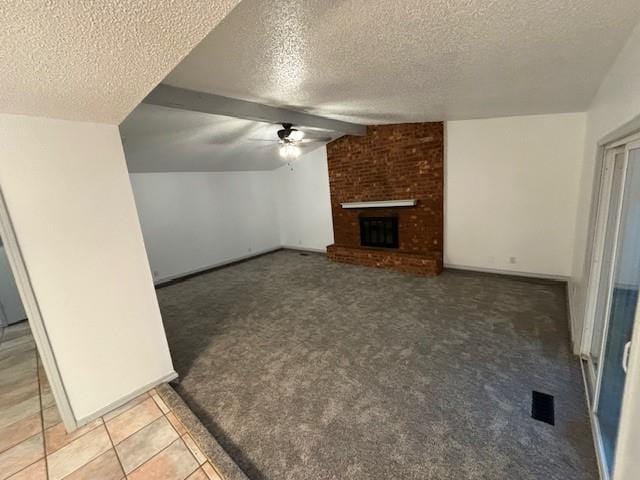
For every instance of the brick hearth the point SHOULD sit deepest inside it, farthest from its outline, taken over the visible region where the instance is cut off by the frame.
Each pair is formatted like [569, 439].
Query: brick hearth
[392, 162]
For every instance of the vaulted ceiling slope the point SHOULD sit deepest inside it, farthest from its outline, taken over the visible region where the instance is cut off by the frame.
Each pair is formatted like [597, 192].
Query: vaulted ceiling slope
[94, 61]
[382, 61]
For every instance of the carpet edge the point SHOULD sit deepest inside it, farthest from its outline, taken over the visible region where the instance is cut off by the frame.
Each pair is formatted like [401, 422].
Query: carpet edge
[209, 445]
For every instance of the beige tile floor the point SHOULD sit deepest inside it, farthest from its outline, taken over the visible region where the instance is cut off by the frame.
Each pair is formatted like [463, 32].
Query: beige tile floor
[140, 440]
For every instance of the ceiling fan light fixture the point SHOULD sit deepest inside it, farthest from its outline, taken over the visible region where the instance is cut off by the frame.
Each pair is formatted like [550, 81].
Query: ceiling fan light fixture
[289, 152]
[296, 135]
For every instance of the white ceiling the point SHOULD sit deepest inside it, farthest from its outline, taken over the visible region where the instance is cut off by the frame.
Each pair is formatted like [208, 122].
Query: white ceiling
[94, 60]
[381, 61]
[161, 139]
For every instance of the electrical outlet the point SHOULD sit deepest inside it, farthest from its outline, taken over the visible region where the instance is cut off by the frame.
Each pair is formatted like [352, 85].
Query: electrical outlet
[155, 273]
[512, 260]
[248, 250]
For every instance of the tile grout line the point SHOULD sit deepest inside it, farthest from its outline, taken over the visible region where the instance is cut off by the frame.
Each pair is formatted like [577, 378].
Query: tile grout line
[188, 432]
[21, 441]
[44, 442]
[158, 402]
[128, 409]
[41, 422]
[66, 433]
[179, 439]
[25, 467]
[43, 430]
[104, 422]
[113, 446]
[125, 411]
[72, 441]
[177, 432]
[126, 475]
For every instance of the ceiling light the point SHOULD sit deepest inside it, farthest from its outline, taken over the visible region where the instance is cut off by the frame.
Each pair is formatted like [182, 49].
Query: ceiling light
[296, 135]
[289, 152]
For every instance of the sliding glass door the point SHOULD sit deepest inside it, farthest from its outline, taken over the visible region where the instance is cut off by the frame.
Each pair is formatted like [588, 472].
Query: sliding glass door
[616, 297]
[613, 175]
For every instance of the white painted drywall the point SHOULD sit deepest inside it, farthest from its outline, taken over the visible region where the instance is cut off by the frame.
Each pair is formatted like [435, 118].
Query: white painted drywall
[192, 221]
[616, 103]
[10, 303]
[511, 190]
[69, 197]
[304, 203]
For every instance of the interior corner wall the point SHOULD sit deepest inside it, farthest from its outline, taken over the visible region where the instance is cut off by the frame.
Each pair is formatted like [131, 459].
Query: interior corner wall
[511, 193]
[192, 221]
[68, 195]
[616, 103]
[303, 200]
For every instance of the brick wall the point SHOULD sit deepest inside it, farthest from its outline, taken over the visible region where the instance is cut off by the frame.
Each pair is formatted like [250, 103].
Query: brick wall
[392, 162]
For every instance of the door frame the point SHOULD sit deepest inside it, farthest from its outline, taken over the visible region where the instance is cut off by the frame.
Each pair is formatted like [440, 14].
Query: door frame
[614, 259]
[32, 308]
[607, 151]
[602, 197]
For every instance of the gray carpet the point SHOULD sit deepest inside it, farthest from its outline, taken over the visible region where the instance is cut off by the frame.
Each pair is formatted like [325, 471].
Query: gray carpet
[306, 369]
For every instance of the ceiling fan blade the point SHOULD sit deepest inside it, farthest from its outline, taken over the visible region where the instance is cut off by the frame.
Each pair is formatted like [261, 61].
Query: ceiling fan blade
[315, 140]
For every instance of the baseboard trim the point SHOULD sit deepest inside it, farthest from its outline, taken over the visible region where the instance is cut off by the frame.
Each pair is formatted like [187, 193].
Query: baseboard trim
[304, 249]
[513, 273]
[173, 279]
[127, 398]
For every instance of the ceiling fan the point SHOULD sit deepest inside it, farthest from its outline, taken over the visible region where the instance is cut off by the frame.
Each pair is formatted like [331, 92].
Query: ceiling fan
[290, 140]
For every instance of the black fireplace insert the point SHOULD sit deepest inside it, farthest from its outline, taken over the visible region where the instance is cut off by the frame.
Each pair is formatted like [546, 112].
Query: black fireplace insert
[379, 232]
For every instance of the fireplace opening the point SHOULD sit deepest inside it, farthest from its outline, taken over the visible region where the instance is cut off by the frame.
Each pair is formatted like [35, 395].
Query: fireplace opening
[379, 232]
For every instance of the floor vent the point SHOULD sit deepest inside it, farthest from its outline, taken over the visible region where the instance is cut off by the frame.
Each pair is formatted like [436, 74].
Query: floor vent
[542, 407]
[304, 254]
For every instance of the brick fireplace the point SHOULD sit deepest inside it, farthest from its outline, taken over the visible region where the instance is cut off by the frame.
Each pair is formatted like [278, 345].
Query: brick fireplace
[392, 162]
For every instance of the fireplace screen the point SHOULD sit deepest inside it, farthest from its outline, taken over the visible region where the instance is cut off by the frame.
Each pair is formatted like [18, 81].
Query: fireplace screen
[379, 232]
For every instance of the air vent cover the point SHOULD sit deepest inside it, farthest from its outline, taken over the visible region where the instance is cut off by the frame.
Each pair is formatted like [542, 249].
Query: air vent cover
[542, 407]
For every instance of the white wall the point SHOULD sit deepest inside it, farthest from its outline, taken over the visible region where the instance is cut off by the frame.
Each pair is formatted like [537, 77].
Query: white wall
[196, 220]
[304, 203]
[68, 195]
[192, 221]
[616, 103]
[511, 190]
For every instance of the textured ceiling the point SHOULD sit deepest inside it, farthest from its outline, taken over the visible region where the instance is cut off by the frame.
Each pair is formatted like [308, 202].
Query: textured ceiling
[381, 61]
[161, 139]
[94, 60]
